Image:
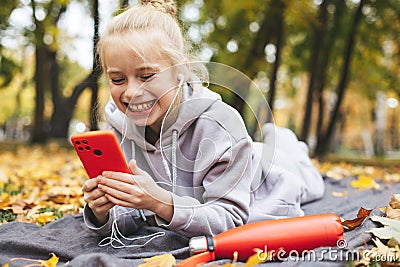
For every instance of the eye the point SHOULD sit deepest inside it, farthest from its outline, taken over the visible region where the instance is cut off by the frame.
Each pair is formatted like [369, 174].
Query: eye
[147, 77]
[117, 81]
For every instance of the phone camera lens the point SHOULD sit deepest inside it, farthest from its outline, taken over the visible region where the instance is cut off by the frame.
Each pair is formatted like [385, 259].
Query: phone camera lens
[85, 141]
[97, 152]
[80, 148]
[87, 147]
[77, 142]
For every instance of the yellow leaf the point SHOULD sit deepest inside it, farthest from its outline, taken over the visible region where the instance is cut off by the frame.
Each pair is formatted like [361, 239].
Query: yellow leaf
[228, 264]
[52, 262]
[256, 259]
[5, 200]
[165, 260]
[365, 182]
[44, 217]
[5, 265]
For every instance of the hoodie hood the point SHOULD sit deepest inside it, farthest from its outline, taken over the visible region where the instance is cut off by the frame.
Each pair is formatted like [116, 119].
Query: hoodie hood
[196, 100]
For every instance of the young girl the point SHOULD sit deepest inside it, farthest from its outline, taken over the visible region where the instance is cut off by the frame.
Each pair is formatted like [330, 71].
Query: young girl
[194, 168]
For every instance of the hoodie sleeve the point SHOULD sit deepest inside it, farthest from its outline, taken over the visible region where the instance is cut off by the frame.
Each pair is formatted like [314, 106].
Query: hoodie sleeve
[226, 185]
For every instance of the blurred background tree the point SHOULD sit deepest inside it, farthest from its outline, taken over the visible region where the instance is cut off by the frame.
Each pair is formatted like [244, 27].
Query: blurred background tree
[328, 68]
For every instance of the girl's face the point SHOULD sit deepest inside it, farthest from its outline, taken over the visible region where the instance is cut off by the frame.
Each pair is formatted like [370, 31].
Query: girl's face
[142, 86]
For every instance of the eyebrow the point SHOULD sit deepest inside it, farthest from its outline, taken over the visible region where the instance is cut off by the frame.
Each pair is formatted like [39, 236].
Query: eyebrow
[141, 68]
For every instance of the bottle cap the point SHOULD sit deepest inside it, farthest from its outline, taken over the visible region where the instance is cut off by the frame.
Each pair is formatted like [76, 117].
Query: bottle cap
[198, 244]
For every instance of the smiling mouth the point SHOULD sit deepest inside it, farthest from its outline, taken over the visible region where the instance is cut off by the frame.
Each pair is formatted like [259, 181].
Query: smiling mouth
[142, 107]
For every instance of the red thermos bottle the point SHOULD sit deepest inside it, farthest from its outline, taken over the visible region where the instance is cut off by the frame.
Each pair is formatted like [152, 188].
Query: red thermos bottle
[283, 235]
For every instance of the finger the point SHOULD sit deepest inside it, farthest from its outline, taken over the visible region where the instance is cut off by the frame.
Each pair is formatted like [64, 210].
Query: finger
[92, 195]
[89, 185]
[128, 193]
[135, 169]
[98, 202]
[122, 203]
[109, 176]
[104, 208]
[101, 201]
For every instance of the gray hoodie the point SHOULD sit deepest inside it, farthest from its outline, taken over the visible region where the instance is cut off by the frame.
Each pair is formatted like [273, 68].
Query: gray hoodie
[219, 177]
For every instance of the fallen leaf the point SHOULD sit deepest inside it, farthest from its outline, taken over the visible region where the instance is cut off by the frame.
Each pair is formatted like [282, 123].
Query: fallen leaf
[39, 181]
[362, 215]
[5, 201]
[165, 260]
[52, 262]
[229, 264]
[340, 194]
[392, 210]
[395, 201]
[391, 178]
[365, 182]
[256, 259]
[390, 230]
[44, 217]
[383, 253]
[18, 207]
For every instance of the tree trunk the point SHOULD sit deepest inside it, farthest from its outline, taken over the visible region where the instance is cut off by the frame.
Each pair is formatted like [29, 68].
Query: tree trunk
[39, 134]
[64, 106]
[324, 63]
[61, 112]
[324, 144]
[273, 12]
[94, 103]
[319, 36]
[279, 34]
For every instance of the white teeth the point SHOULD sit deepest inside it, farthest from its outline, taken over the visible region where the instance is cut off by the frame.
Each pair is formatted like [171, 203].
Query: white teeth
[141, 107]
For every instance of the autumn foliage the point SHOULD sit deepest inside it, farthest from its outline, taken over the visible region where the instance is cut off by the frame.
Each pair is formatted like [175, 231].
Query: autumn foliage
[39, 184]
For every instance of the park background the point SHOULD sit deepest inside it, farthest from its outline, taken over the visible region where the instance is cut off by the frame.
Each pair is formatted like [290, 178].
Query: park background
[329, 69]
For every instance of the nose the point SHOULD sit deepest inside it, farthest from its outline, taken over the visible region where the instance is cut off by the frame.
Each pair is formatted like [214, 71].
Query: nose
[134, 89]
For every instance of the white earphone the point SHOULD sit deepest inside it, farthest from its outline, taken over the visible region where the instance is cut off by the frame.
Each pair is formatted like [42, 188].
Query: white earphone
[180, 77]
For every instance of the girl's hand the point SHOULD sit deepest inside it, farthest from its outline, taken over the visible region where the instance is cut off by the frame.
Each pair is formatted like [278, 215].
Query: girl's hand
[137, 190]
[96, 200]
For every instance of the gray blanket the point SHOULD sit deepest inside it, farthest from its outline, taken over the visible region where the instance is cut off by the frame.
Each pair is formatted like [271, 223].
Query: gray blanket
[75, 245]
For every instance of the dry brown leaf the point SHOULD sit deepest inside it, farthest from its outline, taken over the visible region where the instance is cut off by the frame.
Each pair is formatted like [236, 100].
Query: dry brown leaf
[165, 260]
[383, 253]
[18, 207]
[392, 210]
[362, 215]
[395, 201]
[392, 213]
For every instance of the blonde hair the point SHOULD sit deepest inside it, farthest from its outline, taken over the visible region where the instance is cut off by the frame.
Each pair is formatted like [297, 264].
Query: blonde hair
[151, 14]
[158, 15]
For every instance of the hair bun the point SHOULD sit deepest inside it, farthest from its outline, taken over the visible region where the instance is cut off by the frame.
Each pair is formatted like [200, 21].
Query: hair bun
[166, 6]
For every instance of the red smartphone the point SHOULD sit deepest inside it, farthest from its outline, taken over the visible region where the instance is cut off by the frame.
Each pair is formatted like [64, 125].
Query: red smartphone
[99, 151]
